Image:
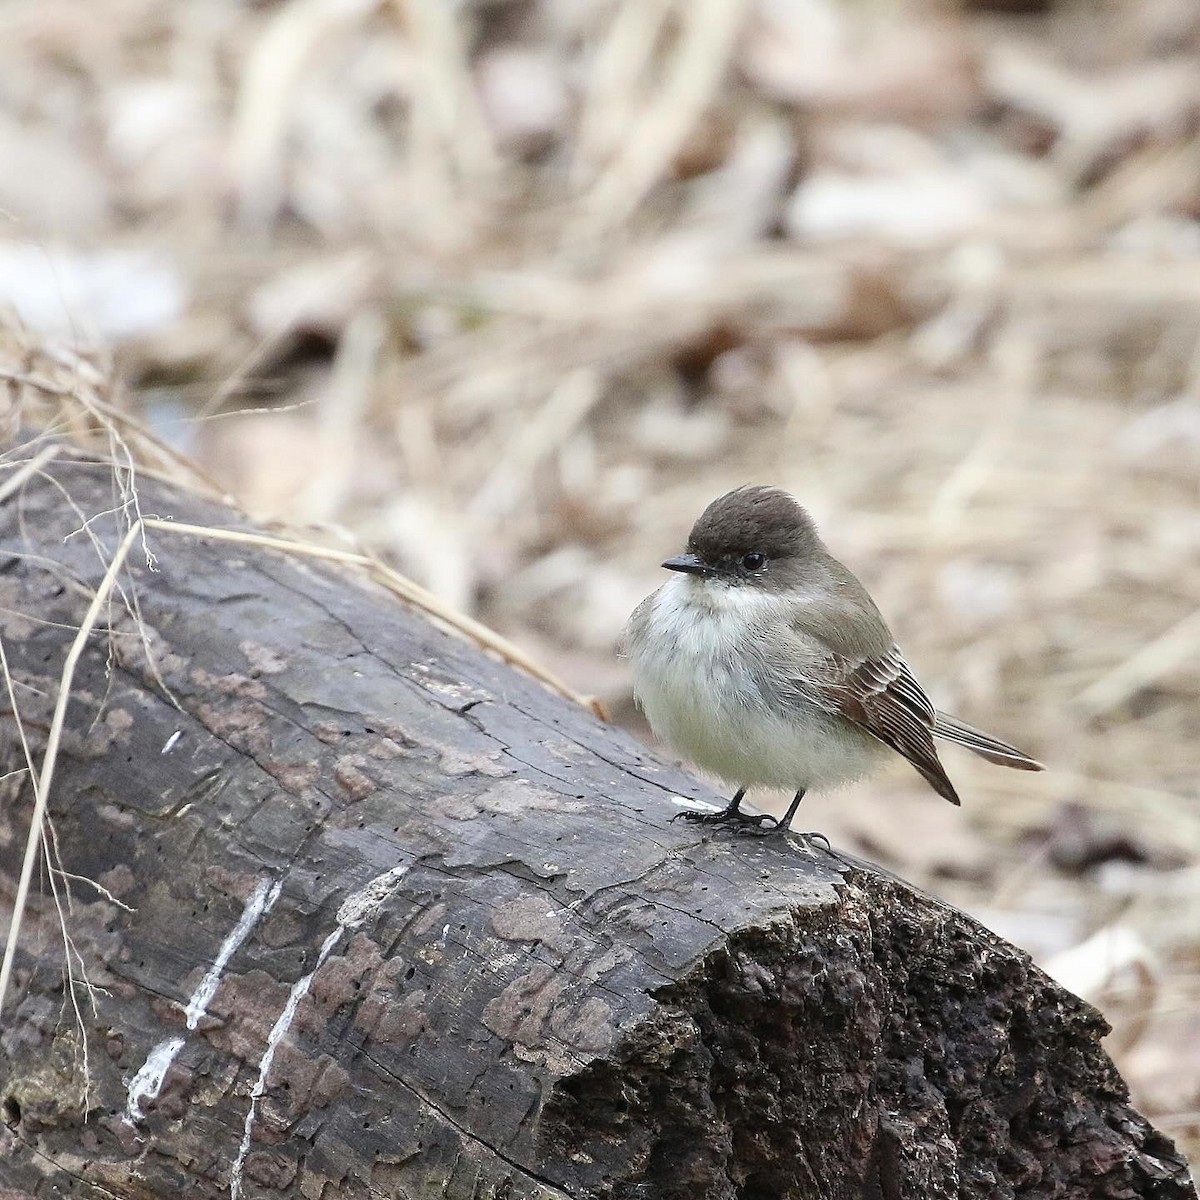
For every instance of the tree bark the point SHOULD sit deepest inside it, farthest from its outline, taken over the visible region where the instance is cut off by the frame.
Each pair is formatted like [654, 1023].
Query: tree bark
[384, 918]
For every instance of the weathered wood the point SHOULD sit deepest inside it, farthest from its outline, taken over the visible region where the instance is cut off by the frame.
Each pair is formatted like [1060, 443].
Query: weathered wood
[404, 924]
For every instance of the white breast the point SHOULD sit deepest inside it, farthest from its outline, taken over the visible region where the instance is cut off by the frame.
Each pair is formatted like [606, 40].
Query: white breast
[703, 693]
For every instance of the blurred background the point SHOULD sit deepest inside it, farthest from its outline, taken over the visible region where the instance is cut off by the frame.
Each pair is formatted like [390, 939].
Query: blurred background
[505, 292]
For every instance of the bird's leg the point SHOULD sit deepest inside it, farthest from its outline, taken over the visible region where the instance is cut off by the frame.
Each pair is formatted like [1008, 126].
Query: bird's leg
[731, 812]
[784, 824]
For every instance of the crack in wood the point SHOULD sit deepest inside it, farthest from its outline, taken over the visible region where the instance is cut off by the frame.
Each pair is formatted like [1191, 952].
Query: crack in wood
[556, 1188]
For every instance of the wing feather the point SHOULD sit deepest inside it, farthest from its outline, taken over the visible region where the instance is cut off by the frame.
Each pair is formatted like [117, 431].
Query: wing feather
[881, 696]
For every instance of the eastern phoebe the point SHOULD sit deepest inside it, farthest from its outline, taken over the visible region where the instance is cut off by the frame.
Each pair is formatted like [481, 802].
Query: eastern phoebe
[765, 661]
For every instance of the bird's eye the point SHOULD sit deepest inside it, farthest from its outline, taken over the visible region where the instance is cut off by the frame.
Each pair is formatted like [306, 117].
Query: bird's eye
[754, 561]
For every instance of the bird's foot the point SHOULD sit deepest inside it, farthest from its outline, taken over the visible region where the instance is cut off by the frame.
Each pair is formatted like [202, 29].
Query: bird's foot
[756, 823]
[762, 829]
[749, 824]
[727, 816]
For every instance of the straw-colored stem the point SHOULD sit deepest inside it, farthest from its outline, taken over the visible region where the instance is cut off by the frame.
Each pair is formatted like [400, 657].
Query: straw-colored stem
[46, 777]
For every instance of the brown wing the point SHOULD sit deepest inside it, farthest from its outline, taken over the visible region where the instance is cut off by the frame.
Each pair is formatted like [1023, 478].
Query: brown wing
[881, 696]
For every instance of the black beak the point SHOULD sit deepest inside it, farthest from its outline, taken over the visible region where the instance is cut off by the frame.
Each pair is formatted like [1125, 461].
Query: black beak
[689, 564]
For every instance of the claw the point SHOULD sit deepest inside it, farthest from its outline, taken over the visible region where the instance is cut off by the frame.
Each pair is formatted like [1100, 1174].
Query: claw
[815, 836]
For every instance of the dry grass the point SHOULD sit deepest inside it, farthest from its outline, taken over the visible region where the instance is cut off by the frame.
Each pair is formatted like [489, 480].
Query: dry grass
[508, 299]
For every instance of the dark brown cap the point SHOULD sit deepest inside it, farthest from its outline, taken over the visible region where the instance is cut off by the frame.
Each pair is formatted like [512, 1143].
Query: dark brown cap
[752, 519]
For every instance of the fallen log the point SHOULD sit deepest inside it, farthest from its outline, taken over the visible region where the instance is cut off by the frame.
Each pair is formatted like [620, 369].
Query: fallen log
[366, 913]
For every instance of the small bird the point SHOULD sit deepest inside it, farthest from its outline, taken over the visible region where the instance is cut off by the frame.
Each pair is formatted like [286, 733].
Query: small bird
[765, 662]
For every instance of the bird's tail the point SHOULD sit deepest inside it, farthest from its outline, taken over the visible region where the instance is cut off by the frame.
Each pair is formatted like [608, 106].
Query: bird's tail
[983, 744]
